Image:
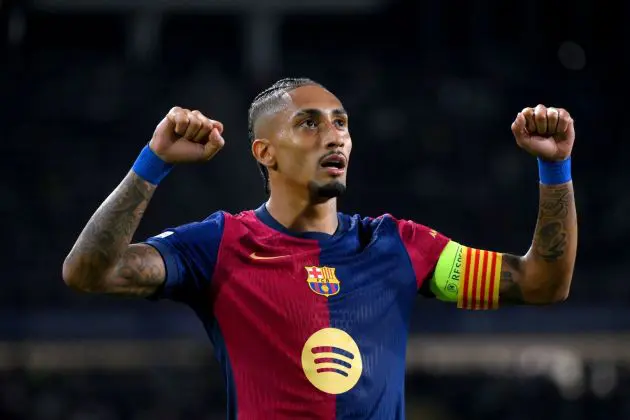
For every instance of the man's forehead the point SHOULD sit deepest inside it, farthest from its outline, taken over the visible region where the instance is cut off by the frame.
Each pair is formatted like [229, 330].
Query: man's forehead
[311, 97]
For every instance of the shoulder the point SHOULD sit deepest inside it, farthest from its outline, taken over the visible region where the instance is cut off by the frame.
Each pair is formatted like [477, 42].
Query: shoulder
[208, 229]
[221, 218]
[386, 223]
[215, 221]
[407, 227]
[223, 221]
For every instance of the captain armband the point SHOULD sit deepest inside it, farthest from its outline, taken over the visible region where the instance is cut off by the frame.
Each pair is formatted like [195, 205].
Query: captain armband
[467, 276]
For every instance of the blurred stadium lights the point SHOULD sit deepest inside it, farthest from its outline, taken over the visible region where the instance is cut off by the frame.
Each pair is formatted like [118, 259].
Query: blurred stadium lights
[604, 378]
[560, 357]
[574, 364]
[261, 28]
[564, 360]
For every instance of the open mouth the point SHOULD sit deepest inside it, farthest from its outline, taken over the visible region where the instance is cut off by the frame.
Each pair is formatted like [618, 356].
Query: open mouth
[335, 161]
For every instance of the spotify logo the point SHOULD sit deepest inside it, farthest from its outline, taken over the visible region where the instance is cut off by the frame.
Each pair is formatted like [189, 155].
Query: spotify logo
[331, 361]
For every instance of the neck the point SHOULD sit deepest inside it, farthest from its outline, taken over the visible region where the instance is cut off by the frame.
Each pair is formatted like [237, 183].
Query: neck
[299, 214]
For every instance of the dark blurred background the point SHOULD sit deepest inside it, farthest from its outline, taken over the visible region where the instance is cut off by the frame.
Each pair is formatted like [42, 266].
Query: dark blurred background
[431, 87]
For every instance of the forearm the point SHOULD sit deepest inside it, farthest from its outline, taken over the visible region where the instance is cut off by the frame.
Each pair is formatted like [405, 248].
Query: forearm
[108, 233]
[548, 266]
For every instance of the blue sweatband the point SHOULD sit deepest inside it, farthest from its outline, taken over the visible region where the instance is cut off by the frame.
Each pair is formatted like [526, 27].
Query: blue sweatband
[554, 173]
[150, 167]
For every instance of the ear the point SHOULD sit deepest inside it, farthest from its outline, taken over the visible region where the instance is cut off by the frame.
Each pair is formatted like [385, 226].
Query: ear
[264, 152]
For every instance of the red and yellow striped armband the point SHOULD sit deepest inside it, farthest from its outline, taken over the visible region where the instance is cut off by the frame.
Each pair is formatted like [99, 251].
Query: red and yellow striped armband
[467, 276]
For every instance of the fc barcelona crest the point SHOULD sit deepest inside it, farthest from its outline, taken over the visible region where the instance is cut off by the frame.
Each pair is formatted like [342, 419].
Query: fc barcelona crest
[322, 280]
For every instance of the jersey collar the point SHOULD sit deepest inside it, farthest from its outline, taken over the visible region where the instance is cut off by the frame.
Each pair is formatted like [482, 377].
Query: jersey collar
[264, 216]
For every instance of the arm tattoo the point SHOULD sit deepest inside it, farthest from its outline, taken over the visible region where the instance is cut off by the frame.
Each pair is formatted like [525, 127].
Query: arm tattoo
[139, 271]
[101, 251]
[550, 239]
[543, 276]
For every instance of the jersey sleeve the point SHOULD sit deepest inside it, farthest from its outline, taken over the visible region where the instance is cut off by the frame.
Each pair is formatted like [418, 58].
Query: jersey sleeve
[190, 255]
[467, 276]
[423, 245]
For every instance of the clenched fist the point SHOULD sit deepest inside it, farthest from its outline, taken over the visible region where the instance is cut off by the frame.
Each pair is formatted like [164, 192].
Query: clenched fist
[186, 136]
[547, 133]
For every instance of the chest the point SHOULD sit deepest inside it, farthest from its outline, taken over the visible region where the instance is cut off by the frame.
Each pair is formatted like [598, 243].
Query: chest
[291, 278]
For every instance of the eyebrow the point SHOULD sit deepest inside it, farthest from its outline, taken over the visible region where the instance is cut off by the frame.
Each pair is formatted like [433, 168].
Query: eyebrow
[314, 112]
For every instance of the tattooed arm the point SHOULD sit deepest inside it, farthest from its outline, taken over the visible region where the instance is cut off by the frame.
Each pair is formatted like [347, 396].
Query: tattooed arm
[102, 259]
[478, 279]
[544, 274]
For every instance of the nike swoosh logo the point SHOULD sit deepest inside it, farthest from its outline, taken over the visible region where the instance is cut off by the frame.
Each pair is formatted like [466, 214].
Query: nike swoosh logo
[253, 256]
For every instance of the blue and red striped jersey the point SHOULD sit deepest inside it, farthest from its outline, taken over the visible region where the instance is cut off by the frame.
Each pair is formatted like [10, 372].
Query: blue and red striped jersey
[304, 325]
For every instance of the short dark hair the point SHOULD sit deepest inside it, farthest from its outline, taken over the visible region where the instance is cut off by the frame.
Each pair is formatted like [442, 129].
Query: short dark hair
[264, 101]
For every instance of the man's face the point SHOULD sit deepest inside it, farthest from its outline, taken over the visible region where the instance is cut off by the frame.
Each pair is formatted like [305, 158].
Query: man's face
[310, 142]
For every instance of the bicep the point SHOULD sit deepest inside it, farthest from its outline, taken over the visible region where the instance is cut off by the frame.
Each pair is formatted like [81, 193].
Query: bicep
[520, 282]
[140, 272]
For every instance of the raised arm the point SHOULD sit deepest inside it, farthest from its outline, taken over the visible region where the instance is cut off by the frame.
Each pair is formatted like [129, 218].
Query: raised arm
[479, 279]
[544, 274]
[102, 259]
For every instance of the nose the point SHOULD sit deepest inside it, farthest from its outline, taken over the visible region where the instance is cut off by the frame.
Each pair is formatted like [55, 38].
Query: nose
[335, 143]
[333, 139]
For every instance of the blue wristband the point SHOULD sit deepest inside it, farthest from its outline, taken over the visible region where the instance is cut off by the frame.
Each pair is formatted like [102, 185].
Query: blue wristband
[553, 173]
[150, 167]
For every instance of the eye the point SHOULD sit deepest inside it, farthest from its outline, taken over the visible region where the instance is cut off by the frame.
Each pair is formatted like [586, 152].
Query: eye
[341, 123]
[309, 123]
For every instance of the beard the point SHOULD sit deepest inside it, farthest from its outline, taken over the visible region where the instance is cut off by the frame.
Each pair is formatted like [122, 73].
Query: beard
[323, 192]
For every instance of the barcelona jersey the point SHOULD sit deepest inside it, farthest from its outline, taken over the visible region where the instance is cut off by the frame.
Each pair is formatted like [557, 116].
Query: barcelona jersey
[304, 325]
